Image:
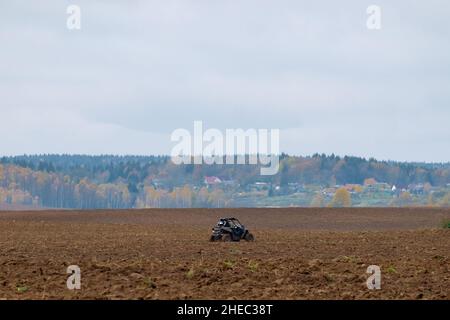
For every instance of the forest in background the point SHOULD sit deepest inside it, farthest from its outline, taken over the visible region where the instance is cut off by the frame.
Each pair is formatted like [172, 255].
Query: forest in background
[105, 181]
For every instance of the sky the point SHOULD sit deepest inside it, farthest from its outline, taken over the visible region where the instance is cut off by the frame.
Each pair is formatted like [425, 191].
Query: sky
[138, 70]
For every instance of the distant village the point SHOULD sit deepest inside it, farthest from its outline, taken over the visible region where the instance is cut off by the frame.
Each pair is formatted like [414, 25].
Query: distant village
[370, 193]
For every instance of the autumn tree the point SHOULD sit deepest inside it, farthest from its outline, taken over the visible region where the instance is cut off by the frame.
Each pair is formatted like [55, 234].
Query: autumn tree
[430, 200]
[202, 197]
[404, 199]
[342, 198]
[186, 196]
[318, 201]
[217, 198]
[445, 202]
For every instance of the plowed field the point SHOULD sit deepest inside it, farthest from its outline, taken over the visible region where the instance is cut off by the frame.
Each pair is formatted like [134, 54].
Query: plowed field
[165, 254]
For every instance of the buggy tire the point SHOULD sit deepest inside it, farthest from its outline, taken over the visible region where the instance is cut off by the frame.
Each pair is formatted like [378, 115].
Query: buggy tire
[226, 237]
[249, 237]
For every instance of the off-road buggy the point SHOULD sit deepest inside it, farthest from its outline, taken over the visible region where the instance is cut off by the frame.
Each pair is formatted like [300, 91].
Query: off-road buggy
[230, 229]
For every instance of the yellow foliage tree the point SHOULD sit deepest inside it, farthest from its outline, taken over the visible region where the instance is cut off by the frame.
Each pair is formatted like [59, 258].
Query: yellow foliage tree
[342, 198]
[405, 198]
[446, 201]
[430, 201]
[318, 201]
[186, 194]
[2, 176]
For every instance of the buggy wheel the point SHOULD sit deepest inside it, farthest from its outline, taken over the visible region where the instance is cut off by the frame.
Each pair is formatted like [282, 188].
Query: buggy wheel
[226, 237]
[249, 237]
[215, 237]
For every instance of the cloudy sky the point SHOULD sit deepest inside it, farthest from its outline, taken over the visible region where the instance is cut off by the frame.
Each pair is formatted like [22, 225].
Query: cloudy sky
[137, 70]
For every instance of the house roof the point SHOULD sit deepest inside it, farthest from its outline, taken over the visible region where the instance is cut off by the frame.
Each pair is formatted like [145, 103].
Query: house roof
[212, 180]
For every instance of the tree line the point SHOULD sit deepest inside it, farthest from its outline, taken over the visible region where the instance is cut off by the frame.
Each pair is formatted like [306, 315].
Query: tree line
[81, 181]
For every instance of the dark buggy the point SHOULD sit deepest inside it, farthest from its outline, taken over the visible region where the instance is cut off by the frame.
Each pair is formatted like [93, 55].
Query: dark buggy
[230, 229]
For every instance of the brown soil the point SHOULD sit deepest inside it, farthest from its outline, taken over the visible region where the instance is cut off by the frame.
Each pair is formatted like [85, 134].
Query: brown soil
[165, 254]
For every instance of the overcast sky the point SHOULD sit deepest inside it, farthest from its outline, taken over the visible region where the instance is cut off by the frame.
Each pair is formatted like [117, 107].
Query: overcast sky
[137, 70]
